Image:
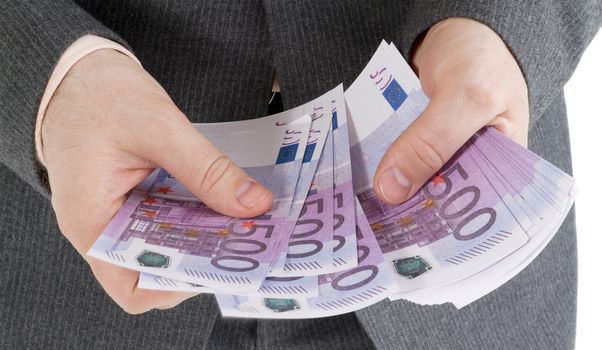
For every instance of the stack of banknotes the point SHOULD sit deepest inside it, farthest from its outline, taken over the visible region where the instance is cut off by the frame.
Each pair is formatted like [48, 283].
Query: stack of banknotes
[328, 245]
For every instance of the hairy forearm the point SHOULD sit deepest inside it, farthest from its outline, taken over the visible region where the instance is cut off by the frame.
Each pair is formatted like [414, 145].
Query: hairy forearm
[34, 36]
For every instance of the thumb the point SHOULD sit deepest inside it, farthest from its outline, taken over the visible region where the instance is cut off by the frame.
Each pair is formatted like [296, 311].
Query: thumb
[449, 120]
[207, 173]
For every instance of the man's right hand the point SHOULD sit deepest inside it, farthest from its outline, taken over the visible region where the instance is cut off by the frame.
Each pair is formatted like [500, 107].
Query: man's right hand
[107, 127]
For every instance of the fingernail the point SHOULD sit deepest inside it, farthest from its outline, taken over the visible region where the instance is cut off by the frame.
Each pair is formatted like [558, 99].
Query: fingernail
[250, 193]
[393, 186]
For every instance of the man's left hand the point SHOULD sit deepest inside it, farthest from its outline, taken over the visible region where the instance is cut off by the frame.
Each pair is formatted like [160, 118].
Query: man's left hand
[472, 80]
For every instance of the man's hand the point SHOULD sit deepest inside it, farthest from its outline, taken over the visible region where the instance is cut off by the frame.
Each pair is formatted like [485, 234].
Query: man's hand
[107, 127]
[472, 80]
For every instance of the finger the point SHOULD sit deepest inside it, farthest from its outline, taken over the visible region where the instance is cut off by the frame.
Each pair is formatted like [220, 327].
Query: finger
[448, 121]
[86, 195]
[121, 285]
[514, 123]
[206, 172]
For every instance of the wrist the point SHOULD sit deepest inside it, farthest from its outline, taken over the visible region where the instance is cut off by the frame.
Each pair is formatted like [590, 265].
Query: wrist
[80, 49]
[466, 28]
[80, 93]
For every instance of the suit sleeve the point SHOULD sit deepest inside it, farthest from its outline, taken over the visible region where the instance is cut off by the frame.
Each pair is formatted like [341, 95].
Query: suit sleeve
[33, 36]
[547, 37]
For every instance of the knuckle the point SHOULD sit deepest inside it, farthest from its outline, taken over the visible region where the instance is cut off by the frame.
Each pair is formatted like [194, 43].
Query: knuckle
[62, 223]
[426, 153]
[131, 307]
[118, 288]
[481, 97]
[65, 225]
[164, 122]
[64, 219]
[130, 303]
[213, 174]
[167, 113]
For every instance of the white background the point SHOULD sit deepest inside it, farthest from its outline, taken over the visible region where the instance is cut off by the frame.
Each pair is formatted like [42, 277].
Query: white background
[584, 104]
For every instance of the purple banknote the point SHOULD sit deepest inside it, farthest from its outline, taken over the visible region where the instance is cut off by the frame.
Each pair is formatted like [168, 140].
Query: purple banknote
[185, 240]
[367, 283]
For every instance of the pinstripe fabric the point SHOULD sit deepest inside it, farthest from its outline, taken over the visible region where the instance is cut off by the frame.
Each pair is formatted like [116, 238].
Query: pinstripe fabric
[217, 59]
[534, 310]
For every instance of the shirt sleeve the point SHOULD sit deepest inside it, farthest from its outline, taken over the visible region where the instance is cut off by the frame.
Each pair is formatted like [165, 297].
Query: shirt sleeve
[79, 49]
[34, 34]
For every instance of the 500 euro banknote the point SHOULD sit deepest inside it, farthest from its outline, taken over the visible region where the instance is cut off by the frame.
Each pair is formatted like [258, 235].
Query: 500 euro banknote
[163, 230]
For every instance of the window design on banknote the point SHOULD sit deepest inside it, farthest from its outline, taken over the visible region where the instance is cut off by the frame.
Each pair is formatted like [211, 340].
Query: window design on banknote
[190, 227]
[396, 227]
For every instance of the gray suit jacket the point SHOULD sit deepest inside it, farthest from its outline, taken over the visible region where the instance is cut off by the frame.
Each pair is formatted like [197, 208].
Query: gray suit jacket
[217, 60]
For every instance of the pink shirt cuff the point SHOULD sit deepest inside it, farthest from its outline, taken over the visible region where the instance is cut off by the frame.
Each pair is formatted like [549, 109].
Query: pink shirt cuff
[80, 48]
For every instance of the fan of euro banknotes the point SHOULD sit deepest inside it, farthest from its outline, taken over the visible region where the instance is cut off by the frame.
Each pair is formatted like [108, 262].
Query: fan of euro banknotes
[328, 245]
